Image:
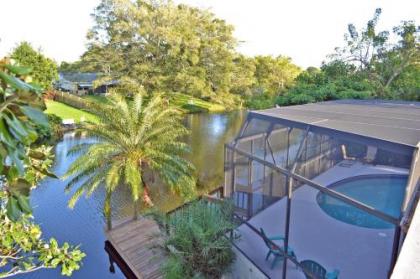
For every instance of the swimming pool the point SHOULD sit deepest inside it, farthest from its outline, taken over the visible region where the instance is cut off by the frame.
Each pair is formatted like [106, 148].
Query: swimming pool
[382, 192]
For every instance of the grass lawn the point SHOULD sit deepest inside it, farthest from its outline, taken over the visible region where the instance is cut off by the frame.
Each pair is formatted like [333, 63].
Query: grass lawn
[186, 103]
[192, 104]
[96, 98]
[67, 112]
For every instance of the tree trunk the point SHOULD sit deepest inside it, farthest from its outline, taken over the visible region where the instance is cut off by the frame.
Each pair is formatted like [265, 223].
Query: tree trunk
[136, 208]
[392, 77]
[146, 197]
[107, 210]
[404, 64]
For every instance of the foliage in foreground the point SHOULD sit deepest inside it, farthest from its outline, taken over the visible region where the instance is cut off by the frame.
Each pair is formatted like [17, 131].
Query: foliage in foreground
[49, 134]
[21, 164]
[196, 241]
[22, 249]
[135, 139]
[21, 167]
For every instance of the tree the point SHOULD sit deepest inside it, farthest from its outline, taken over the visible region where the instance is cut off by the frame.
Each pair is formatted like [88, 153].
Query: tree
[274, 75]
[165, 47]
[378, 58]
[407, 85]
[335, 80]
[71, 67]
[399, 58]
[135, 138]
[370, 65]
[22, 165]
[44, 70]
[362, 46]
[243, 76]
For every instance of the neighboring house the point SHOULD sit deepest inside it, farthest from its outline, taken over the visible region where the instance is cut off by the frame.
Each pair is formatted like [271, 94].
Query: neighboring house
[81, 83]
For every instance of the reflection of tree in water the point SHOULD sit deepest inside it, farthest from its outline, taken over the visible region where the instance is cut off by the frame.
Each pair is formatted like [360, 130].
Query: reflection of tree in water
[209, 133]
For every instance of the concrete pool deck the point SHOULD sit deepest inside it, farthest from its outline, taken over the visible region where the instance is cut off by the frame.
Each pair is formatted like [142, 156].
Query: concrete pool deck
[357, 252]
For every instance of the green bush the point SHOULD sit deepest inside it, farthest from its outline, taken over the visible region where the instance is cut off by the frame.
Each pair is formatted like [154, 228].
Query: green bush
[339, 89]
[50, 133]
[353, 94]
[302, 99]
[196, 241]
[261, 101]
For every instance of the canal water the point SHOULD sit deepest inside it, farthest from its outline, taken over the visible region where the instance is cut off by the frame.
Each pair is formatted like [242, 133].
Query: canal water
[84, 225]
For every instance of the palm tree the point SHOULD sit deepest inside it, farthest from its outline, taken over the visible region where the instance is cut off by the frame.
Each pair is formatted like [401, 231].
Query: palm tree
[134, 137]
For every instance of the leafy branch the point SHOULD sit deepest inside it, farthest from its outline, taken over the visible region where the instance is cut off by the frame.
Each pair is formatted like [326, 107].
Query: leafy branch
[22, 166]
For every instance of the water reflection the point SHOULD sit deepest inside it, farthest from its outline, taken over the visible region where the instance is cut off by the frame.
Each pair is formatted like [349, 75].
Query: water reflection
[208, 135]
[84, 225]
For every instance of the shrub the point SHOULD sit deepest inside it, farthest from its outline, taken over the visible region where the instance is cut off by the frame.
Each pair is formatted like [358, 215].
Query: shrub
[301, 99]
[50, 133]
[353, 94]
[196, 240]
[262, 101]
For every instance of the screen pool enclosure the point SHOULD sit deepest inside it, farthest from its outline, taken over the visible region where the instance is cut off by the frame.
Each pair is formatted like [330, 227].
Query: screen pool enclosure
[335, 179]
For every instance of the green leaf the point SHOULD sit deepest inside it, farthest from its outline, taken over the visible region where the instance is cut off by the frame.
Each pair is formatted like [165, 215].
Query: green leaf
[32, 135]
[36, 87]
[24, 205]
[13, 212]
[17, 127]
[16, 163]
[15, 82]
[46, 172]
[35, 115]
[5, 135]
[55, 262]
[37, 155]
[12, 173]
[21, 71]
[20, 187]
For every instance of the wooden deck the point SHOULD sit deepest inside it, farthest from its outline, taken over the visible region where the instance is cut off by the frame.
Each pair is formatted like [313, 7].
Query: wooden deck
[136, 245]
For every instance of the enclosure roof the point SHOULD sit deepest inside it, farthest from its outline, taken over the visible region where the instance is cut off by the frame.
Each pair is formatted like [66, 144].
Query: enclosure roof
[391, 121]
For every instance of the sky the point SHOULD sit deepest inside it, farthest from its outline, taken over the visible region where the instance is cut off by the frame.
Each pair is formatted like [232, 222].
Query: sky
[305, 30]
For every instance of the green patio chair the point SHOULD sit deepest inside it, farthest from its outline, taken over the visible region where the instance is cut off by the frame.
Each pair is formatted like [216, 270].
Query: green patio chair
[314, 270]
[274, 249]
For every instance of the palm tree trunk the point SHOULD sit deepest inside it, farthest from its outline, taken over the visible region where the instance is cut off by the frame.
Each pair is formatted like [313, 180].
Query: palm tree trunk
[107, 210]
[146, 197]
[135, 209]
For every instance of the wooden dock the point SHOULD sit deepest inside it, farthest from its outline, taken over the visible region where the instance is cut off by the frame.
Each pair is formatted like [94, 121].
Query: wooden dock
[134, 246]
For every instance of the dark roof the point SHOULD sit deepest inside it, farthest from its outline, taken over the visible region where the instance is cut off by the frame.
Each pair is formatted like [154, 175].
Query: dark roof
[79, 77]
[390, 121]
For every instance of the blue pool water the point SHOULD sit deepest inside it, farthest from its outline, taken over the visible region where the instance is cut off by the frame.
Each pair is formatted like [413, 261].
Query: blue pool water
[382, 192]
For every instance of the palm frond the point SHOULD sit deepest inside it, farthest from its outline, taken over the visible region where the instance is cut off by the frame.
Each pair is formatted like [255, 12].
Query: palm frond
[131, 136]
